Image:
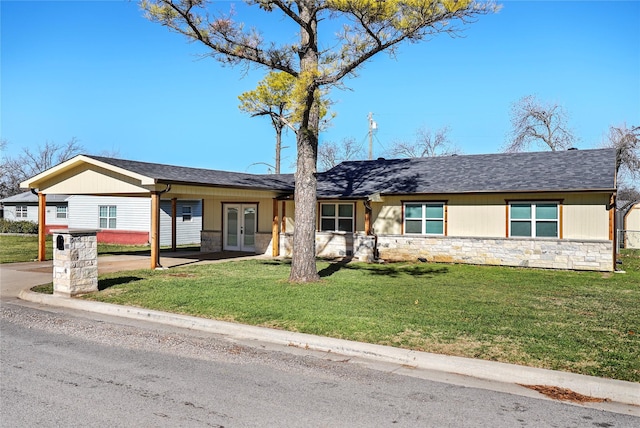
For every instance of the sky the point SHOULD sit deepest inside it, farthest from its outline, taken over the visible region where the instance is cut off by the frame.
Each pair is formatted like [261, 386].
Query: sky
[98, 71]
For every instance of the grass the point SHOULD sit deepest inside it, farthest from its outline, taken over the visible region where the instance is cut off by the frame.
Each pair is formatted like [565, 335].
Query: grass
[24, 248]
[20, 248]
[582, 322]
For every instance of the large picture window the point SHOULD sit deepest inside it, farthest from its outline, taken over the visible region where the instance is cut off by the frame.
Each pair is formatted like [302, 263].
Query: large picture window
[424, 218]
[107, 216]
[534, 219]
[336, 217]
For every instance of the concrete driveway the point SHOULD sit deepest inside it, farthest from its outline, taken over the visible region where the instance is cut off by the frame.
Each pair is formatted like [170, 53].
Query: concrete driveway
[18, 276]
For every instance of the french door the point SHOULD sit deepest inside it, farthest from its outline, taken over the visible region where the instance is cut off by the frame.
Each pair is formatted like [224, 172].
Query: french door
[240, 221]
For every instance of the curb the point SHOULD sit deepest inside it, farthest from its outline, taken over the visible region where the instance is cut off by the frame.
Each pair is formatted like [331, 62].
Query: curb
[609, 389]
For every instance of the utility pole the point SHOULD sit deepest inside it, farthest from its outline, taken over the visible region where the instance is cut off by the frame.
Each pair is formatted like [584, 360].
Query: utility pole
[372, 127]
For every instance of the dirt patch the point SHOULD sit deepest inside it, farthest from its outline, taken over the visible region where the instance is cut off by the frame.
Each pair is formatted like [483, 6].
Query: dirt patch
[564, 394]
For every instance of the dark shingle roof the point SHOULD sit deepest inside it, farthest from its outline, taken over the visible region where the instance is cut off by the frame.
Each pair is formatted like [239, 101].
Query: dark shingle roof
[571, 170]
[199, 176]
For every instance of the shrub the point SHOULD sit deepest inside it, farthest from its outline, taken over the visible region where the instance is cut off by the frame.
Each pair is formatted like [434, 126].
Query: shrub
[8, 226]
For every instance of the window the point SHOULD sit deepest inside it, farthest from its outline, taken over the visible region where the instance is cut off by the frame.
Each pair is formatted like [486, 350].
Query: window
[186, 213]
[424, 218]
[21, 211]
[61, 211]
[336, 217]
[107, 216]
[534, 219]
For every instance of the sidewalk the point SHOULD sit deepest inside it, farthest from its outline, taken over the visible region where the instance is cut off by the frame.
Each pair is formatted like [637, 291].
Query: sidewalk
[20, 277]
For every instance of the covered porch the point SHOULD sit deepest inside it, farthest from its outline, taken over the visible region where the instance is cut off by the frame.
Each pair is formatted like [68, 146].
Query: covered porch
[242, 213]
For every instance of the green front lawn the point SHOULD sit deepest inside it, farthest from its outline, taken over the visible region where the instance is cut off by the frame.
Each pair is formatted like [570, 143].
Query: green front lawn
[24, 248]
[583, 322]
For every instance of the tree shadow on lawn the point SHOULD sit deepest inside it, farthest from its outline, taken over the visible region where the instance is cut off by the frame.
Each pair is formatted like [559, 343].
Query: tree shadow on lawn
[103, 284]
[390, 270]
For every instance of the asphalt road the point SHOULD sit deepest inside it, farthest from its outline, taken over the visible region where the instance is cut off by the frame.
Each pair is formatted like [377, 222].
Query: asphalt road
[60, 368]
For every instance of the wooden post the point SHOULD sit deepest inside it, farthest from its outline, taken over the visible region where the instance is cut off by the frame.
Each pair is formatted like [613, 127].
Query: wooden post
[174, 213]
[155, 230]
[42, 227]
[275, 232]
[367, 219]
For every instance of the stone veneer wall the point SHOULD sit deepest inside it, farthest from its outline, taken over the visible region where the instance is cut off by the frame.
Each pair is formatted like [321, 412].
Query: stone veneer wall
[335, 244]
[538, 253]
[211, 242]
[75, 264]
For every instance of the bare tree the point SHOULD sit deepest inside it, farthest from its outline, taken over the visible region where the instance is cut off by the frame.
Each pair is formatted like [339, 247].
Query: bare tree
[32, 162]
[626, 141]
[544, 124]
[331, 154]
[427, 144]
[321, 58]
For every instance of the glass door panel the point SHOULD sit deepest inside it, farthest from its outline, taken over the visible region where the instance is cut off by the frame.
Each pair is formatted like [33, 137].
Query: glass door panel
[249, 231]
[232, 227]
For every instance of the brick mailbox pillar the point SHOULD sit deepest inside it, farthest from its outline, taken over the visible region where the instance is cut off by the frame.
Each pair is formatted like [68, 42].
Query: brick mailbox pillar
[75, 262]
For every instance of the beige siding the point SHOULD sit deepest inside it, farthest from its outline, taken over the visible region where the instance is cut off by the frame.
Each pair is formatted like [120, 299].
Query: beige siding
[290, 211]
[387, 216]
[226, 194]
[213, 212]
[632, 228]
[477, 216]
[90, 179]
[585, 216]
[632, 220]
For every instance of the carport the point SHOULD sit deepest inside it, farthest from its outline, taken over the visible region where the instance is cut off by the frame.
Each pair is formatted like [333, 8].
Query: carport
[241, 212]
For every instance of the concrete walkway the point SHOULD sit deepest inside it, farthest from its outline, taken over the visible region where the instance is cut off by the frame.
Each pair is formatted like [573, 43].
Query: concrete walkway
[622, 397]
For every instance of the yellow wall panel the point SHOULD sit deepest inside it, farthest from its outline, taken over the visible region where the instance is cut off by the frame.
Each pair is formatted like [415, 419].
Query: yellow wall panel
[90, 179]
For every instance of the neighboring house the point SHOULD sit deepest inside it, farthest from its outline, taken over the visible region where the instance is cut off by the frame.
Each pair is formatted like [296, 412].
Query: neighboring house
[543, 209]
[631, 227]
[24, 207]
[125, 220]
[120, 220]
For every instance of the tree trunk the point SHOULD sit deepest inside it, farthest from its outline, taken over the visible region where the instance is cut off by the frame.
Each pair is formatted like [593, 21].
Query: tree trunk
[278, 148]
[303, 260]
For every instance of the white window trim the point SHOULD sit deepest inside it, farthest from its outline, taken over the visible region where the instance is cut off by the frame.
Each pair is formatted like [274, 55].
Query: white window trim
[22, 211]
[108, 217]
[62, 211]
[533, 219]
[337, 217]
[423, 217]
